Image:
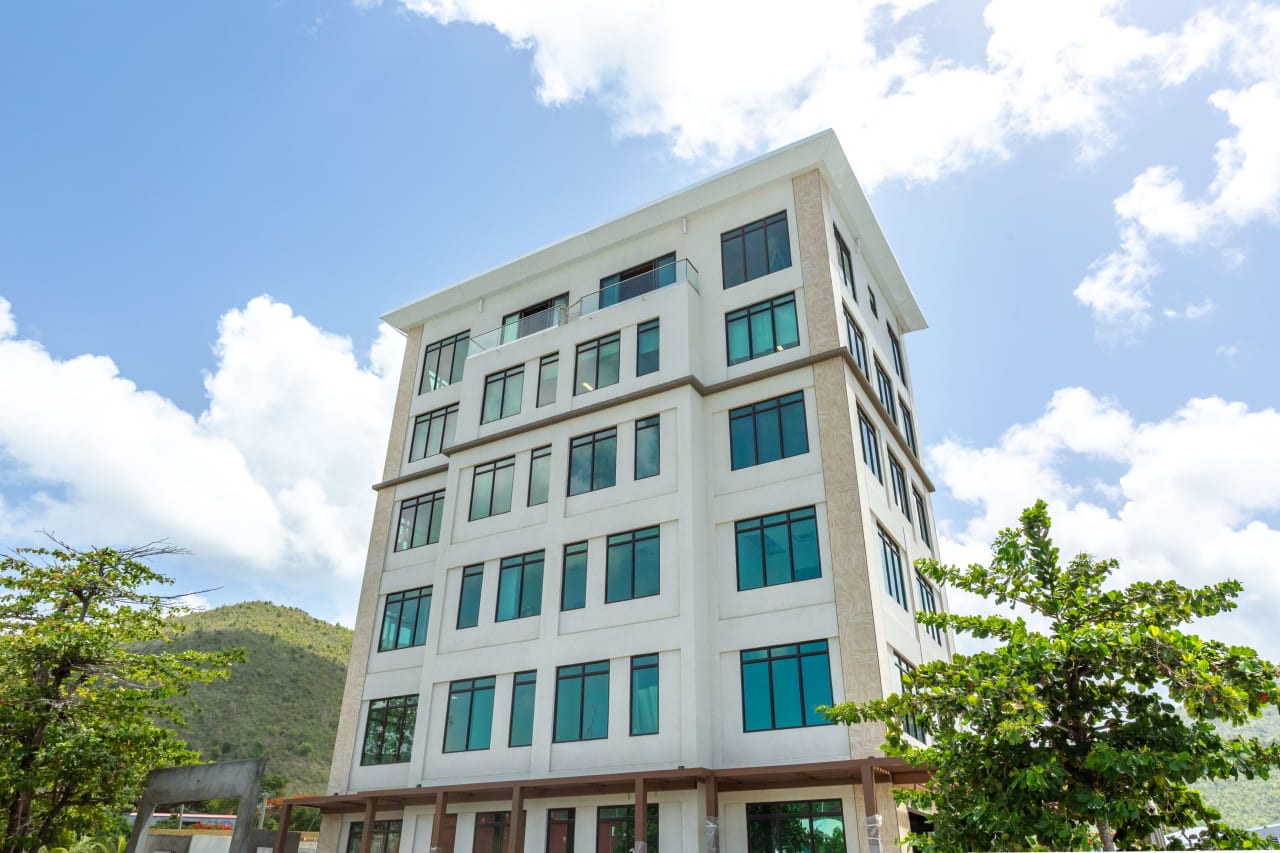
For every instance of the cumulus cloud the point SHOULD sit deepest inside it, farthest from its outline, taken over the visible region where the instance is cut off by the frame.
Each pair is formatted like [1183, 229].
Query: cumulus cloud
[271, 479]
[1186, 497]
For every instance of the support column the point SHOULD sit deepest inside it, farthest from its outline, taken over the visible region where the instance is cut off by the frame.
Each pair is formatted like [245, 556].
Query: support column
[712, 793]
[874, 819]
[437, 822]
[282, 834]
[641, 826]
[515, 838]
[366, 834]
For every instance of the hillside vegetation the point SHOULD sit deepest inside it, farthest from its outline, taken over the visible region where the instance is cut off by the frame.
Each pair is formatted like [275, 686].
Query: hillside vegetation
[1249, 802]
[282, 703]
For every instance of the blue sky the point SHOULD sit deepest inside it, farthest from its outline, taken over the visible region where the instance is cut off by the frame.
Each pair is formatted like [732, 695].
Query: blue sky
[205, 208]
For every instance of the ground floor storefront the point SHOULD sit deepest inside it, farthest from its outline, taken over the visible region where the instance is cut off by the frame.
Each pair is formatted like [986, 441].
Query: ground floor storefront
[832, 807]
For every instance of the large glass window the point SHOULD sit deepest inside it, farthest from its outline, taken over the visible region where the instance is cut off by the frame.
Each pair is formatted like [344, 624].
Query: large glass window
[638, 280]
[582, 702]
[573, 589]
[885, 386]
[908, 428]
[898, 480]
[523, 691]
[777, 548]
[420, 520]
[520, 586]
[648, 356]
[922, 518]
[548, 378]
[845, 261]
[644, 695]
[492, 829]
[469, 722]
[404, 619]
[798, 827]
[634, 565]
[928, 600]
[761, 329]
[782, 685]
[910, 724]
[597, 364]
[388, 730]
[648, 447]
[593, 461]
[757, 248]
[560, 830]
[502, 392]
[433, 432]
[616, 828]
[857, 344]
[386, 837]
[491, 487]
[870, 445]
[443, 361]
[899, 364]
[469, 596]
[534, 318]
[539, 476]
[768, 430]
[891, 560]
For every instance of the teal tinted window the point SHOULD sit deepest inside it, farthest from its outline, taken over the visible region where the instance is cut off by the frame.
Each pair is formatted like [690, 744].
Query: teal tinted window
[899, 364]
[548, 376]
[582, 702]
[908, 428]
[891, 561]
[757, 248]
[420, 519]
[443, 361]
[644, 695]
[522, 695]
[388, 730]
[593, 461]
[647, 357]
[761, 329]
[898, 480]
[539, 476]
[777, 548]
[648, 447]
[469, 723]
[885, 387]
[469, 598]
[573, 590]
[910, 724]
[404, 619]
[857, 344]
[520, 586]
[491, 487]
[796, 827]
[845, 261]
[870, 445]
[638, 280]
[922, 518]
[767, 431]
[633, 567]
[781, 686]
[597, 364]
[433, 432]
[928, 600]
[502, 392]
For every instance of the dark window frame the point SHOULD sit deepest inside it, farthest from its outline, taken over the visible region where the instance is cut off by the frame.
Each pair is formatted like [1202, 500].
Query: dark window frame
[580, 672]
[457, 365]
[525, 679]
[545, 381]
[928, 603]
[774, 815]
[747, 317]
[472, 578]
[653, 423]
[506, 468]
[922, 517]
[536, 457]
[425, 425]
[871, 300]
[643, 331]
[561, 817]
[884, 387]
[844, 262]
[790, 520]
[596, 346]
[528, 572]
[520, 324]
[895, 580]
[776, 247]
[636, 281]
[593, 441]
[908, 428]
[469, 687]
[579, 578]
[503, 380]
[857, 343]
[632, 540]
[624, 817]
[870, 444]
[910, 724]
[772, 407]
[898, 486]
[411, 510]
[899, 361]
[398, 714]
[419, 599]
[641, 664]
[779, 654]
[383, 833]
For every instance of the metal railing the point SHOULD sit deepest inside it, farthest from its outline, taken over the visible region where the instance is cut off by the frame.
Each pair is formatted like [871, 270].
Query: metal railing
[518, 328]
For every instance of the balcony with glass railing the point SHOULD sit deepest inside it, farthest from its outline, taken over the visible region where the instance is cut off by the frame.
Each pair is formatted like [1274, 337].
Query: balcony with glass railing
[519, 327]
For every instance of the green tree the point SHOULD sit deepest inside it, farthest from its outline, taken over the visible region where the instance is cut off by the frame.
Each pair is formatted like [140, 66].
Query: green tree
[79, 698]
[1068, 733]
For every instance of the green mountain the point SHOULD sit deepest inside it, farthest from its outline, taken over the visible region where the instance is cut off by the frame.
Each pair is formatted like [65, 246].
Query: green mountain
[282, 703]
[1249, 802]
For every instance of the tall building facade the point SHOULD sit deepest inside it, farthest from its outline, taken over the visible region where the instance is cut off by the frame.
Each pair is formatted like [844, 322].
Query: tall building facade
[652, 494]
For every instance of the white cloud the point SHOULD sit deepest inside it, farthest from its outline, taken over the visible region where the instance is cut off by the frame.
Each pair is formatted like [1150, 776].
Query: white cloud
[1227, 350]
[1185, 497]
[270, 481]
[1192, 311]
[8, 325]
[1118, 287]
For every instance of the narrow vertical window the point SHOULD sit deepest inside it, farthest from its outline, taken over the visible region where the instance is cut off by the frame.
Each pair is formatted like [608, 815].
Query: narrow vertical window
[523, 691]
[560, 830]
[593, 461]
[871, 300]
[539, 476]
[443, 361]
[520, 586]
[433, 432]
[648, 447]
[870, 445]
[647, 351]
[910, 725]
[644, 695]
[885, 386]
[469, 597]
[491, 487]
[420, 520]
[548, 377]
[573, 587]
[857, 344]
[922, 518]
[898, 481]
[597, 364]
[492, 830]
[502, 393]
[404, 619]
[899, 364]
[582, 702]
[909, 428]
[928, 604]
[469, 721]
[845, 261]
[633, 568]
[891, 561]
[782, 685]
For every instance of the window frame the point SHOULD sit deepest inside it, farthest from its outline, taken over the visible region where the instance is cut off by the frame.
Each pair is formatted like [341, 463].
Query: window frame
[884, 387]
[908, 428]
[412, 509]
[747, 316]
[793, 402]
[504, 379]
[546, 382]
[773, 815]
[536, 457]
[647, 329]
[406, 718]
[420, 598]
[457, 366]
[596, 346]
[927, 599]
[593, 441]
[644, 426]
[579, 578]
[789, 520]
[898, 485]
[498, 472]
[472, 581]
[780, 654]
[899, 361]
[895, 580]
[633, 540]
[469, 687]
[922, 516]
[448, 430]
[528, 572]
[525, 679]
[870, 445]
[383, 833]
[910, 724]
[771, 248]
[640, 665]
[566, 817]
[625, 817]
[844, 263]
[857, 343]
[567, 673]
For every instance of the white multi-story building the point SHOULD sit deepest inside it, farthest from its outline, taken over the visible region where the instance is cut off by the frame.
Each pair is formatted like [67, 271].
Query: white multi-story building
[652, 494]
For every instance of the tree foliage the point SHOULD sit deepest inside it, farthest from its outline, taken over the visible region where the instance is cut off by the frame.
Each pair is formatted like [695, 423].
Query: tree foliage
[1070, 735]
[79, 699]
